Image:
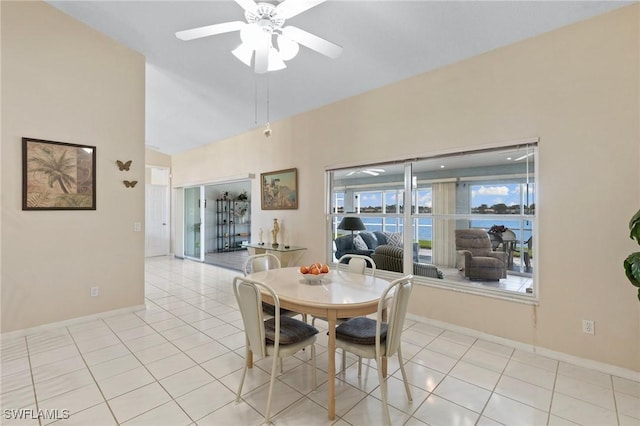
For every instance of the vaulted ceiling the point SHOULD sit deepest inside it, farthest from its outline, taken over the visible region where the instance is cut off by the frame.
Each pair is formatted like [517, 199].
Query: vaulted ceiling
[197, 92]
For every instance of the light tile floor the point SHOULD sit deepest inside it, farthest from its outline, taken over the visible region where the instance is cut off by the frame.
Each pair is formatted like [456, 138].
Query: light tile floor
[178, 362]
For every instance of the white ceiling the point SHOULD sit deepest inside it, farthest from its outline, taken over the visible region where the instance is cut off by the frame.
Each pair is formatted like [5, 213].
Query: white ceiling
[198, 92]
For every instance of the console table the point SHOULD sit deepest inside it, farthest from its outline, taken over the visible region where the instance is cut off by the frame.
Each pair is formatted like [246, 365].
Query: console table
[287, 256]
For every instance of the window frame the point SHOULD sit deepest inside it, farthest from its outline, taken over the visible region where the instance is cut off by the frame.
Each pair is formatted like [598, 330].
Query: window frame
[407, 215]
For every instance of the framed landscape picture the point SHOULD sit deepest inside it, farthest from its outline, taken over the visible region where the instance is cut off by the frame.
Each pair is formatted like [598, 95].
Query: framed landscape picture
[58, 175]
[279, 190]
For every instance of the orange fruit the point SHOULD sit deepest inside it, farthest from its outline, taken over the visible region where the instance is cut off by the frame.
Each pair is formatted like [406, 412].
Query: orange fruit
[315, 271]
[324, 269]
[304, 269]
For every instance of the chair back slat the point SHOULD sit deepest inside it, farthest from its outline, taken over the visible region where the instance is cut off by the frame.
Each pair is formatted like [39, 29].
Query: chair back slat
[357, 263]
[261, 262]
[396, 310]
[249, 297]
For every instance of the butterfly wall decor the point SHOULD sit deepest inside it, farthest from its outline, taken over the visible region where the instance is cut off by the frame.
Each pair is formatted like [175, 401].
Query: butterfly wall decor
[130, 183]
[123, 166]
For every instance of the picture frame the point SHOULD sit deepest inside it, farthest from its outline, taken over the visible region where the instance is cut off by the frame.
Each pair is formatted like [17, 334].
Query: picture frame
[279, 190]
[58, 175]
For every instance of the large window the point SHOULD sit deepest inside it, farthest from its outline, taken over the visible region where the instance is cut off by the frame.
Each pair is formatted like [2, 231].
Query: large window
[472, 217]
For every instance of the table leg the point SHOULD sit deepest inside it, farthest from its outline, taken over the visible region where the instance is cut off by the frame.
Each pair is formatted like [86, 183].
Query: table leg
[331, 388]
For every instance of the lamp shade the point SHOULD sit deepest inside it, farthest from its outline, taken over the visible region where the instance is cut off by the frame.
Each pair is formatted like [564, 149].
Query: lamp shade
[352, 224]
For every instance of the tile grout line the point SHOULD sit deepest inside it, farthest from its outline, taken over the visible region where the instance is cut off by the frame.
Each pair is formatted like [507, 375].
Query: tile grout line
[91, 373]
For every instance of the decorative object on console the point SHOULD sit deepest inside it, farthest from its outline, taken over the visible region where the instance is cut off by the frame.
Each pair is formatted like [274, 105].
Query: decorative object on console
[261, 242]
[279, 190]
[123, 166]
[274, 233]
[58, 175]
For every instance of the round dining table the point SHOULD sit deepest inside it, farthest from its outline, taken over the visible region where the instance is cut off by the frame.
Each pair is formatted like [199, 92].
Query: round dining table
[338, 294]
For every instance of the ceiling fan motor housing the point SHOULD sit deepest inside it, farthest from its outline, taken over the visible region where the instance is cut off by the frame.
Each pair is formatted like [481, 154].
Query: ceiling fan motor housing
[265, 17]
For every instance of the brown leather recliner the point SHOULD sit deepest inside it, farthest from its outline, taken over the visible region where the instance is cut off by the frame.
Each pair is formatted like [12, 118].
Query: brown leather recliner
[475, 259]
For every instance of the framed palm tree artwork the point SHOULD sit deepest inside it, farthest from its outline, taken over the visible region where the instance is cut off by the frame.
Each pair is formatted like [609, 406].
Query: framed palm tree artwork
[58, 175]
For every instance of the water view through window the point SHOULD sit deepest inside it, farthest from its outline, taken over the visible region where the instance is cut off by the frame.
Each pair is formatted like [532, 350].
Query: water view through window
[491, 193]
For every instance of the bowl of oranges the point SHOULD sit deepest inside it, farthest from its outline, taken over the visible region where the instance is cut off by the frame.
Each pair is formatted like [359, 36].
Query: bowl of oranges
[314, 273]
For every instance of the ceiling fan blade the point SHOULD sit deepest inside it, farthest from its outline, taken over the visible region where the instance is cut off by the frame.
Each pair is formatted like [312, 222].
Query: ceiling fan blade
[370, 172]
[313, 42]
[248, 5]
[210, 30]
[290, 8]
[262, 54]
[377, 170]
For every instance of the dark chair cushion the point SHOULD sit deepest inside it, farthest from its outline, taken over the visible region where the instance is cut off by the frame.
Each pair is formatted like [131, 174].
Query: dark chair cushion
[291, 330]
[269, 309]
[361, 330]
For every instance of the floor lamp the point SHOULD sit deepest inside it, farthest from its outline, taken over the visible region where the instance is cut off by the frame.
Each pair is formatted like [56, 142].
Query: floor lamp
[351, 224]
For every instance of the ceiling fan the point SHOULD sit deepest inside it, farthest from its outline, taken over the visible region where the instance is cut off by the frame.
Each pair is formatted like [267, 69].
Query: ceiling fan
[265, 22]
[372, 172]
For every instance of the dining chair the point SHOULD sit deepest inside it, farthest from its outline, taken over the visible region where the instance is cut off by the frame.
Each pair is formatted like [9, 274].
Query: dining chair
[277, 337]
[356, 264]
[375, 339]
[265, 262]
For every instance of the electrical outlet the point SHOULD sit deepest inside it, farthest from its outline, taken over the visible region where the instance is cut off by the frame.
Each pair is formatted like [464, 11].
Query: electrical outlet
[95, 291]
[588, 327]
[137, 227]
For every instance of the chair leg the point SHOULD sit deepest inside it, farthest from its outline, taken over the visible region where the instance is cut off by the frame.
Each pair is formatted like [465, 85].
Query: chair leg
[281, 369]
[344, 360]
[244, 373]
[404, 375]
[267, 416]
[383, 392]
[313, 363]
[359, 366]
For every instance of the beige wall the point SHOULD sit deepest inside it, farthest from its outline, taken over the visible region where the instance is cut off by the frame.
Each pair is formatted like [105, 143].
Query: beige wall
[577, 89]
[156, 158]
[65, 82]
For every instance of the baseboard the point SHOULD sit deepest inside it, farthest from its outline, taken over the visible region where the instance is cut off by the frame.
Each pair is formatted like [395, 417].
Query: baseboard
[559, 356]
[45, 327]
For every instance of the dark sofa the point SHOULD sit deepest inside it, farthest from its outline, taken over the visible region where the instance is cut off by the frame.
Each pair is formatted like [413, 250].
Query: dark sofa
[344, 244]
[385, 255]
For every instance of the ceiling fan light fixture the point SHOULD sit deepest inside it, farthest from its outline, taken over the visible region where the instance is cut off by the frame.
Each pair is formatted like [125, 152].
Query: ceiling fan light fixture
[252, 36]
[288, 48]
[263, 22]
[275, 60]
[244, 53]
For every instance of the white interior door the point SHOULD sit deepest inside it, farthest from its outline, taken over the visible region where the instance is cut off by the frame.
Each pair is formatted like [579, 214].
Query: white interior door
[157, 221]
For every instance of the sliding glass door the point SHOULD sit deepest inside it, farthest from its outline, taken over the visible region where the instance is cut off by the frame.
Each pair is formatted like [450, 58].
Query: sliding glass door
[193, 222]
